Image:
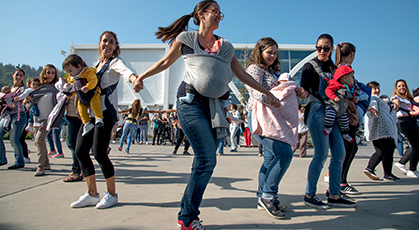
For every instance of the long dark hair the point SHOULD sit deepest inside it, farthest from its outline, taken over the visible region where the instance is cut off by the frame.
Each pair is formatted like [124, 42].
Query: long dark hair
[327, 37]
[171, 32]
[135, 107]
[18, 69]
[343, 50]
[329, 59]
[43, 75]
[256, 55]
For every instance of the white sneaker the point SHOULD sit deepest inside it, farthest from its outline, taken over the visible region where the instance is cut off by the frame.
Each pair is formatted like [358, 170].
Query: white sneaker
[87, 128]
[326, 179]
[37, 124]
[146, 143]
[99, 122]
[108, 201]
[29, 128]
[86, 200]
[414, 174]
[401, 167]
[113, 141]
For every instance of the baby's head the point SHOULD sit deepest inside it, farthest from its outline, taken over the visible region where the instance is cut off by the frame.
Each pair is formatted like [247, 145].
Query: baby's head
[284, 77]
[35, 83]
[344, 75]
[375, 88]
[5, 89]
[73, 65]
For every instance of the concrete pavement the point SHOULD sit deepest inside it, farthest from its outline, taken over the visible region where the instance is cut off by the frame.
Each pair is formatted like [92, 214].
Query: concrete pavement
[150, 182]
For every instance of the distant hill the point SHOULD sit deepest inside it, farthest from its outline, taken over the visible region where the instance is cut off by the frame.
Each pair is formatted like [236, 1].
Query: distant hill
[6, 72]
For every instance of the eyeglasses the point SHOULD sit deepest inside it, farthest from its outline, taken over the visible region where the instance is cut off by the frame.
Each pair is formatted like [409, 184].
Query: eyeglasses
[325, 48]
[216, 12]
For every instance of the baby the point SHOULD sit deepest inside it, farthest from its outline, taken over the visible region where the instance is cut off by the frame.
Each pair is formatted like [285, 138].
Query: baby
[85, 82]
[339, 91]
[33, 121]
[5, 108]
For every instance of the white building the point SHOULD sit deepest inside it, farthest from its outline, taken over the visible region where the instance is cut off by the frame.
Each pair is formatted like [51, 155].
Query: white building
[161, 89]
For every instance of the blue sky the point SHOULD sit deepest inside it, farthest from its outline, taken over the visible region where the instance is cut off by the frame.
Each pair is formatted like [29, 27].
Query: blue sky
[384, 32]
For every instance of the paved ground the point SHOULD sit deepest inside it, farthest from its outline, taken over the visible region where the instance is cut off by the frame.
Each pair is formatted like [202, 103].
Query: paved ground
[150, 183]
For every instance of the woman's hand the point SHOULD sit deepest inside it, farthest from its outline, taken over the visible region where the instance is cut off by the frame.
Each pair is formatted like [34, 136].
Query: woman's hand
[138, 84]
[301, 93]
[373, 111]
[273, 101]
[84, 89]
[353, 119]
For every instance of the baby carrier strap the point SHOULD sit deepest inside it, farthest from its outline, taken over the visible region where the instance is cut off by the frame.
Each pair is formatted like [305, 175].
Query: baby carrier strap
[108, 90]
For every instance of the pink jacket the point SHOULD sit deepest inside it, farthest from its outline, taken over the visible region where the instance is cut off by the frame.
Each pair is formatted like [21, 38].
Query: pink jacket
[278, 123]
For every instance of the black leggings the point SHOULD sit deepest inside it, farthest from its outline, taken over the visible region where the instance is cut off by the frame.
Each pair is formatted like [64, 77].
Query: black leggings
[99, 138]
[384, 149]
[351, 149]
[156, 134]
[408, 127]
[22, 141]
[179, 139]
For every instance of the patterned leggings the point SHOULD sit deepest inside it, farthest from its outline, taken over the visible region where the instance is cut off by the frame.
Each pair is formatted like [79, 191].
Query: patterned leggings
[330, 116]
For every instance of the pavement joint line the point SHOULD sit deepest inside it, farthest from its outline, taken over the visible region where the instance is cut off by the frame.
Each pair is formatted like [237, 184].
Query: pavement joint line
[29, 188]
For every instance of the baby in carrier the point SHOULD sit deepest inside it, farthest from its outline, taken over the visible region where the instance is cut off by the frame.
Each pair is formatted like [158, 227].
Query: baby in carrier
[84, 82]
[6, 106]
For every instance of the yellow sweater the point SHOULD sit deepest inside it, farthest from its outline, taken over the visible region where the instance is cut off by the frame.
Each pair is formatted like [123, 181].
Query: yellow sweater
[89, 73]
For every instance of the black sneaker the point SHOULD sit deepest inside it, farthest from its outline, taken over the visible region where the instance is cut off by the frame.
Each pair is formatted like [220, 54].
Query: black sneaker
[344, 196]
[392, 178]
[341, 202]
[315, 202]
[371, 174]
[348, 189]
[281, 207]
[271, 206]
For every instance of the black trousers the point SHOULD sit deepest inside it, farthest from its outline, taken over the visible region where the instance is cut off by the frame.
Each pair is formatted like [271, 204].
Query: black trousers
[351, 149]
[179, 138]
[384, 150]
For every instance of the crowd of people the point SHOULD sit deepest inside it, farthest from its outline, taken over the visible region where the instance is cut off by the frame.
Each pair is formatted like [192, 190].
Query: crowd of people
[335, 103]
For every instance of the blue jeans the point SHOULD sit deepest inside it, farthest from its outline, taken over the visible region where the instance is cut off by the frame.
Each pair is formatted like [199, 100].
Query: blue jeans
[277, 158]
[233, 138]
[194, 120]
[221, 146]
[16, 129]
[74, 124]
[322, 143]
[144, 130]
[400, 144]
[53, 137]
[128, 130]
[33, 112]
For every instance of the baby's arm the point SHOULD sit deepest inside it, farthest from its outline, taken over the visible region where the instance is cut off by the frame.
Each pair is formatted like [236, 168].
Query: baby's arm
[24, 94]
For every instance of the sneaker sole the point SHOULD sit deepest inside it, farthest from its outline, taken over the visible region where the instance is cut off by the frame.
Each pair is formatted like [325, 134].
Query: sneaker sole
[282, 207]
[316, 206]
[371, 176]
[342, 205]
[107, 206]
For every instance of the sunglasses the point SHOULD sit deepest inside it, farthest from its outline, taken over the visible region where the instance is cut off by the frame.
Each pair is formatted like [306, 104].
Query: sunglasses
[216, 12]
[325, 48]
